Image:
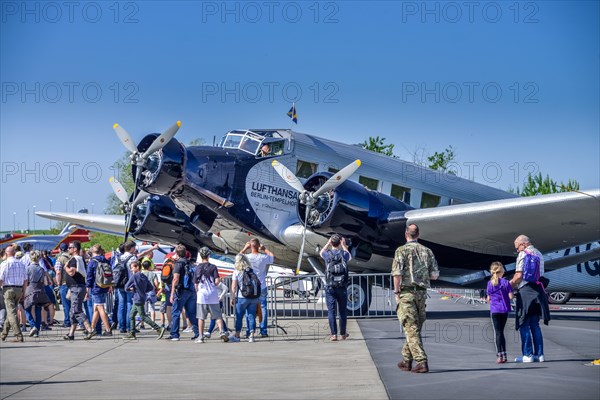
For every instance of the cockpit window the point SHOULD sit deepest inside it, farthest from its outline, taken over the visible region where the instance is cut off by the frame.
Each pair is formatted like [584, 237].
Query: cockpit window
[243, 140]
[251, 141]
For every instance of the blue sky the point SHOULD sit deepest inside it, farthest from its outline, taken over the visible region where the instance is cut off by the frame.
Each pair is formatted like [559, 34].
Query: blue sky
[512, 86]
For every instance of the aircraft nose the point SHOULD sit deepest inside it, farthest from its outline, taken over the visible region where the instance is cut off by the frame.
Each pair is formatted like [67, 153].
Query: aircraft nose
[163, 168]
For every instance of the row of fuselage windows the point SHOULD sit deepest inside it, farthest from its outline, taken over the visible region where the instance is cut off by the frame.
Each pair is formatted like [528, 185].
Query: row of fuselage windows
[304, 169]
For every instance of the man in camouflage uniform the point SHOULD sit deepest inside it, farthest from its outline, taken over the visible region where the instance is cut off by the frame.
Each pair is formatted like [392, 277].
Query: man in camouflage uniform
[414, 265]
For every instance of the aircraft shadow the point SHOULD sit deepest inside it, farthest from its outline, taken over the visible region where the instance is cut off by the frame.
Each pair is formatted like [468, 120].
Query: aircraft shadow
[23, 383]
[442, 371]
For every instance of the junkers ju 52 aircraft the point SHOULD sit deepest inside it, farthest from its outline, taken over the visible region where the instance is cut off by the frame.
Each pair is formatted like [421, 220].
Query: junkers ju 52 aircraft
[219, 195]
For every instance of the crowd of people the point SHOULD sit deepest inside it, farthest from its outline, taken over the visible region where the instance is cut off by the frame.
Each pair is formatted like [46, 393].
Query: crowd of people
[193, 291]
[188, 296]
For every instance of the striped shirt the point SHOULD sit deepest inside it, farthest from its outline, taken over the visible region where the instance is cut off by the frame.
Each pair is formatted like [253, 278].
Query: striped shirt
[12, 272]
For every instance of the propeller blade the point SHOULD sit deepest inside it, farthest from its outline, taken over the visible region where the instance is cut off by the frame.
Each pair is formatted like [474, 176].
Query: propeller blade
[162, 140]
[288, 176]
[308, 207]
[338, 178]
[136, 192]
[125, 138]
[141, 196]
[118, 189]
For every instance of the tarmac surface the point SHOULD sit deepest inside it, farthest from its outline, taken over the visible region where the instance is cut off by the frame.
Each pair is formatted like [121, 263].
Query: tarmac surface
[304, 364]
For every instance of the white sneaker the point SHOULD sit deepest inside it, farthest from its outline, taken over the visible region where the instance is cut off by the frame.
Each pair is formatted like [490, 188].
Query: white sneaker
[525, 359]
[234, 339]
[188, 329]
[206, 335]
[200, 340]
[251, 339]
[540, 358]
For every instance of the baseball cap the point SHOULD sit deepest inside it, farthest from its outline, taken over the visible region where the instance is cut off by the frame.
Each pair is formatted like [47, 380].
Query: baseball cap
[63, 246]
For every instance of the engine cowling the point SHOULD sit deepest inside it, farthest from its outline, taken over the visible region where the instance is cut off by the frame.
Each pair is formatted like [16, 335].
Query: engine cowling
[355, 212]
[156, 219]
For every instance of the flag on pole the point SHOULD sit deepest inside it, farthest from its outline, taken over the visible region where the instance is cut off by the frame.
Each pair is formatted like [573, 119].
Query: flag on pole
[292, 113]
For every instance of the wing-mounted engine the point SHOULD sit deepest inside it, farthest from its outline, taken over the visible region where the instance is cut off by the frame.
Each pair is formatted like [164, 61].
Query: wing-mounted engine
[356, 212]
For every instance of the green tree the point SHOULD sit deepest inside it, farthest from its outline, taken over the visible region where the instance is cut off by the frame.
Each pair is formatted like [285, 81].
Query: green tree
[378, 145]
[107, 241]
[439, 161]
[538, 185]
[122, 168]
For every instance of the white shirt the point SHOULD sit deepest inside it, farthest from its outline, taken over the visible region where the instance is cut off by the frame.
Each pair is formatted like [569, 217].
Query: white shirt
[12, 272]
[259, 266]
[80, 265]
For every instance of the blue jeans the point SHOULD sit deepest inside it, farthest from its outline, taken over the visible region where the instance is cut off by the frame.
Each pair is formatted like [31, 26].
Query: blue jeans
[125, 302]
[243, 306]
[186, 299]
[263, 308]
[38, 317]
[66, 303]
[530, 332]
[337, 299]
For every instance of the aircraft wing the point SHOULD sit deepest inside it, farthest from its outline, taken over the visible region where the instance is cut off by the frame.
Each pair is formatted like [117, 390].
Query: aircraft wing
[553, 222]
[113, 224]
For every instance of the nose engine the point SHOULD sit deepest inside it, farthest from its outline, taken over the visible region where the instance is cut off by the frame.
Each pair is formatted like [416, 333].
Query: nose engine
[156, 219]
[164, 168]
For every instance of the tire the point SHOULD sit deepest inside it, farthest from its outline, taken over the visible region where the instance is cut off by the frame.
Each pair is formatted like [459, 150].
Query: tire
[359, 296]
[559, 297]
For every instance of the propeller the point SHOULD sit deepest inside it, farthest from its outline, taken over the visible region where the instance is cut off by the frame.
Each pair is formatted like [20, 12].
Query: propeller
[310, 198]
[128, 207]
[139, 160]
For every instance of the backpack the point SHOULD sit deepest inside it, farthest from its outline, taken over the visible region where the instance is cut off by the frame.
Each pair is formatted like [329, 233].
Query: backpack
[336, 270]
[188, 276]
[166, 274]
[120, 275]
[250, 285]
[104, 275]
[531, 267]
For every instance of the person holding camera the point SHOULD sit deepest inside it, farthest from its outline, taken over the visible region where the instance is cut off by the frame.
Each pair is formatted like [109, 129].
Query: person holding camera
[336, 256]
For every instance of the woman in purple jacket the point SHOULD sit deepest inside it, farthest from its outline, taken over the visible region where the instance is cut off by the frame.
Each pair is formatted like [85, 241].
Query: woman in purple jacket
[499, 295]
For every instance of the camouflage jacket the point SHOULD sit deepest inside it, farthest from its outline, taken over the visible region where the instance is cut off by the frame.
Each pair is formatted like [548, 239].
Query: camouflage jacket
[414, 263]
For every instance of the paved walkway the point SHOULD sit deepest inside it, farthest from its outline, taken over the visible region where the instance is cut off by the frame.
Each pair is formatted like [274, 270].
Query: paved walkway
[459, 341]
[302, 365]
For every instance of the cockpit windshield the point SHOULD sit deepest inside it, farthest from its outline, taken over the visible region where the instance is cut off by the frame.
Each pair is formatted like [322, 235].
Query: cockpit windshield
[243, 140]
[252, 141]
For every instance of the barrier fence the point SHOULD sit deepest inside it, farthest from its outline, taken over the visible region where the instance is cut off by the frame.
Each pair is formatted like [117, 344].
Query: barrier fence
[303, 297]
[369, 296]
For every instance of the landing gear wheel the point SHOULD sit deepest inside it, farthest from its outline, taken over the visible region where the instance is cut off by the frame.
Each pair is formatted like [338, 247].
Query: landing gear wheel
[359, 296]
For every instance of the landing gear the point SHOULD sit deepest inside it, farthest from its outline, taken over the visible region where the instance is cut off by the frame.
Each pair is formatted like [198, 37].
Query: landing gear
[359, 295]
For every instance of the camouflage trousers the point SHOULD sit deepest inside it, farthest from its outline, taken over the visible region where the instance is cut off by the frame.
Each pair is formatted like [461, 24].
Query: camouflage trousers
[411, 314]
